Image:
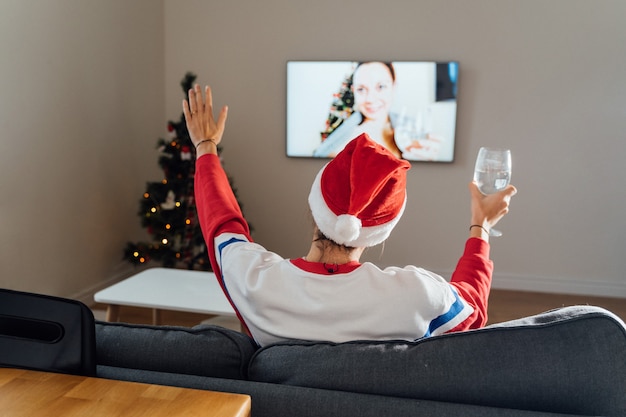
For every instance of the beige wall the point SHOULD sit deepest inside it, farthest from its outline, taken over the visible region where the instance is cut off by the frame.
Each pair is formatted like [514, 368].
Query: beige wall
[543, 78]
[81, 109]
[87, 86]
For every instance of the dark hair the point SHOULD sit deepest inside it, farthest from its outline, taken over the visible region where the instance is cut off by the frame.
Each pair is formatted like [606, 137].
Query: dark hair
[389, 66]
[325, 240]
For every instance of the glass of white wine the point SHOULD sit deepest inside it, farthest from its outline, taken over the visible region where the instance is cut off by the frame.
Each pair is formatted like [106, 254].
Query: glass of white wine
[492, 173]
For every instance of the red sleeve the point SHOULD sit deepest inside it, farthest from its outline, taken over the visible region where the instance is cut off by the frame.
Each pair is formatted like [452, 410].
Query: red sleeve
[472, 280]
[218, 210]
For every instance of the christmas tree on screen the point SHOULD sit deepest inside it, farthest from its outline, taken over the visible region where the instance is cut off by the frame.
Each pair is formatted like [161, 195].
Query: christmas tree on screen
[341, 107]
[167, 208]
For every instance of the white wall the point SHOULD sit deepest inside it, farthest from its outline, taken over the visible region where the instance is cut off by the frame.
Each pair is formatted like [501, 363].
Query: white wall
[543, 78]
[81, 109]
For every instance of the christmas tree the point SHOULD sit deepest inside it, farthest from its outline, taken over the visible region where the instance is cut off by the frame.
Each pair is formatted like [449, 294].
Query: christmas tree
[340, 108]
[168, 209]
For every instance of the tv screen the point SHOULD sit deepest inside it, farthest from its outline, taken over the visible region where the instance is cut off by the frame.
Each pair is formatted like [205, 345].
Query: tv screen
[409, 107]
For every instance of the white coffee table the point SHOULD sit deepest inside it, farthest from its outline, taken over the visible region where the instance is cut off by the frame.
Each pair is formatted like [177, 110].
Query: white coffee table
[167, 289]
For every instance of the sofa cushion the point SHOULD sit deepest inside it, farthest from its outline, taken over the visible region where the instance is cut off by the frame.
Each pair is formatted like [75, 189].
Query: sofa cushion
[203, 350]
[272, 400]
[571, 360]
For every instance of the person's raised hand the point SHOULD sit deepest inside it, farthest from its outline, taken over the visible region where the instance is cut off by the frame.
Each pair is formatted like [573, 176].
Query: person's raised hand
[205, 132]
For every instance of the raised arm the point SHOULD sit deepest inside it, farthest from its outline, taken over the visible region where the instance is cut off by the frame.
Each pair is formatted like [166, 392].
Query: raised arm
[473, 273]
[218, 209]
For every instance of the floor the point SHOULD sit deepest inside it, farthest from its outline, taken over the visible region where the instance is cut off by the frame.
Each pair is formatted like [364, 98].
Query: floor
[508, 305]
[504, 305]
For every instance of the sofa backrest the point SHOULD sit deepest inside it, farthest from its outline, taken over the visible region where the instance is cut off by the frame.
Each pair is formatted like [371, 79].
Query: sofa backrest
[204, 350]
[570, 360]
[46, 333]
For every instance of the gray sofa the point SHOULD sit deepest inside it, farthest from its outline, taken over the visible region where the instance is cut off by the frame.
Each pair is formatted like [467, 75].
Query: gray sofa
[569, 361]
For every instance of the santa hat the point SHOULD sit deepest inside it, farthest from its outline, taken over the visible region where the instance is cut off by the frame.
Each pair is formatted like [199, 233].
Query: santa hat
[359, 196]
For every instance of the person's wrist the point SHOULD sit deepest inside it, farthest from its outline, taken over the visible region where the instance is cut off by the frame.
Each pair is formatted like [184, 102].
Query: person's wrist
[479, 219]
[479, 231]
[206, 146]
[484, 229]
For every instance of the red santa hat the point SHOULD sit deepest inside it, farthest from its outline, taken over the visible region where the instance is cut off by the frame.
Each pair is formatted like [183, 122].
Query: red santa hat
[359, 196]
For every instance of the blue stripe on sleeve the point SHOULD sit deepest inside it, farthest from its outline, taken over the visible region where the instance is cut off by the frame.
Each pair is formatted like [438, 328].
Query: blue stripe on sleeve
[222, 245]
[220, 249]
[454, 310]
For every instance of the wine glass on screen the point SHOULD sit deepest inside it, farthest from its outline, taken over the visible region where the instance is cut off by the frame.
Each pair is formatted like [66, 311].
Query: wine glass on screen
[492, 173]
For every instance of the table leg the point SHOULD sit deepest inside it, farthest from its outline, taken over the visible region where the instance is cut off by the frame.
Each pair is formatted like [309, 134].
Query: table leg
[113, 313]
[156, 316]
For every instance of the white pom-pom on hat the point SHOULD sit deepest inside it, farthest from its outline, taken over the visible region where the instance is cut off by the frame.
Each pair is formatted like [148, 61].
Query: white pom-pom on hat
[347, 228]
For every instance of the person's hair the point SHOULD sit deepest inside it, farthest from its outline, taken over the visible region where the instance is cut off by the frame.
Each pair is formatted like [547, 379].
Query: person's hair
[389, 66]
[326, 241]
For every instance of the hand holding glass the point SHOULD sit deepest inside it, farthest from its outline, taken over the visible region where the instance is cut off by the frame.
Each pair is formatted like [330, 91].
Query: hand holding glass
[492, 173]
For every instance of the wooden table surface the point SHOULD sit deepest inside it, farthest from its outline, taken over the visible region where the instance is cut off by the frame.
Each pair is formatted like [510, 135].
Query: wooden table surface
[34, 394]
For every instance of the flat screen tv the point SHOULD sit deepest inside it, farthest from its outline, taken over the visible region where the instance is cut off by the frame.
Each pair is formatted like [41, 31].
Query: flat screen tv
[409, 107]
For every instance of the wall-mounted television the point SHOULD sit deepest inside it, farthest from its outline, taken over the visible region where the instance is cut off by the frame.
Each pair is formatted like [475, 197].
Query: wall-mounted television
[408, 106]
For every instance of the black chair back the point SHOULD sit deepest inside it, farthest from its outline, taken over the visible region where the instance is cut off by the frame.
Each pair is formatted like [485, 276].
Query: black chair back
[46, 333]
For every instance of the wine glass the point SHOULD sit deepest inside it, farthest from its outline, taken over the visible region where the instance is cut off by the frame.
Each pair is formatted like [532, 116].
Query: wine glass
[492, 173]
[413, 135]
